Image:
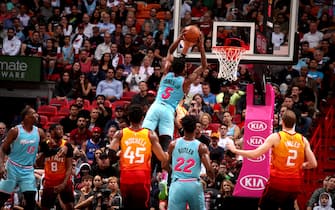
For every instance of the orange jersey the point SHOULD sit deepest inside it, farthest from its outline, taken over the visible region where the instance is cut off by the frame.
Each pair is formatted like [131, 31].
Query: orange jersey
[135, 150]
[287, 159]
[55, 169]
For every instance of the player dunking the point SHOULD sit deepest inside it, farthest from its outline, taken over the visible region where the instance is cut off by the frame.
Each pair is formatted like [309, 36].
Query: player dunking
[21, 146]
[171, 90]
[187, 154]
[135, 159]
[289, 152]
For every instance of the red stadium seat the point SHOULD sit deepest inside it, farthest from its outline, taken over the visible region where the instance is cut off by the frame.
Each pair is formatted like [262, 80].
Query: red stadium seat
[215, 127]
[59, 103]
[128, 95]
[106, 104]
[44, 121]
[47, 110]
[64, 111]
[121, 103]
[55, 119]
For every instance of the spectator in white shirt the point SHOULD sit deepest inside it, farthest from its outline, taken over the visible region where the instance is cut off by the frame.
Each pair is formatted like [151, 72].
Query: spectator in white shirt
[24, 18]
[11, 44]
[134, 78]
[224, 139]
[278, 37]
[313, 37]
[104, 47]
[106, 25]
[88, 27]
[145, 68]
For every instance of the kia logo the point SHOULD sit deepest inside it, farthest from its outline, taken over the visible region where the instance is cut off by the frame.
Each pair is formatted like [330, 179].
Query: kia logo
[257, 160]
[257, 126]
[256, 141]
[253, 182]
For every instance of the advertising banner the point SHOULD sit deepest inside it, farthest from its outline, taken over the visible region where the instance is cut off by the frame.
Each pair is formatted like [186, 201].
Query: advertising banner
[20, 68]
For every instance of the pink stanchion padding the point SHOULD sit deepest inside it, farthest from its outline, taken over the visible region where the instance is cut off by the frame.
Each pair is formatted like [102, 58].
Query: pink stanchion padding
[258, 126]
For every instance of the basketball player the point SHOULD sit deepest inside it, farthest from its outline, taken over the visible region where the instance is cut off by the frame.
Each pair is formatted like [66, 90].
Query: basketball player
[171, 90]
[21, 146]
[187, 154]
[289, 152]
[57, 171]
[135, 159]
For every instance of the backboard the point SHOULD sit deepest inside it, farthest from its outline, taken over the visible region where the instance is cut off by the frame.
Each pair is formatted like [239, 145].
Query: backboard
[268, 30]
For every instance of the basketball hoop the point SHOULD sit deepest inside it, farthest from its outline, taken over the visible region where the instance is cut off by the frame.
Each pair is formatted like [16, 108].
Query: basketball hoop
[229, 58]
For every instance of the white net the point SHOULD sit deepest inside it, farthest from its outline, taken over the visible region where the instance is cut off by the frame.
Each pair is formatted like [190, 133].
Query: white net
[229, 58]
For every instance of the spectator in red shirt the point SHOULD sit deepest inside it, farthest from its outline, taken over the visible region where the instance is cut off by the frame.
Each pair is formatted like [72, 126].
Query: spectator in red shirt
[80, 134]
[199, 9]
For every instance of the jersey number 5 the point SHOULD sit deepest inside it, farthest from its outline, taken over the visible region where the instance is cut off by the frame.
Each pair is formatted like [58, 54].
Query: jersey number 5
[167, 93]
[136, 156]
[184, 165]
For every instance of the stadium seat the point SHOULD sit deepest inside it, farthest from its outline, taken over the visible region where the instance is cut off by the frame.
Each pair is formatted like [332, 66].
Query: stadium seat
[106, 104]
[144, 14]
[44, 121]
[58, 103]
[237, 119]
[161, 15]
[47, 110]
[151, 6]
[215, 126]
[128, 95]
[55, 119]
[87, 104]
[121, 103]
[64, 111]
[141, 5]
[139, 23]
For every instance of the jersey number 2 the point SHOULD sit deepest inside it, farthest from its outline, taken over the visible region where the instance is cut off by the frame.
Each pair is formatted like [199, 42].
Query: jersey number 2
[291, 158]
[184, 165]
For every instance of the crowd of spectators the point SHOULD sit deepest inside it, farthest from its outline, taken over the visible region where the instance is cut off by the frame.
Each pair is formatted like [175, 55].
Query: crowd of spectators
[98, 50]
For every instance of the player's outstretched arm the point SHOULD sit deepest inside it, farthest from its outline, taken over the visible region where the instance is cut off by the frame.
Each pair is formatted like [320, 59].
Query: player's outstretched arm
[269, 142]
[157, 149]
[172, 48]
[198, 71]
[205, 159]
[309, 156]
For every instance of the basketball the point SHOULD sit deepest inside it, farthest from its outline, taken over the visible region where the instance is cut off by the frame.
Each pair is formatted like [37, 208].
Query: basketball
[192, 33]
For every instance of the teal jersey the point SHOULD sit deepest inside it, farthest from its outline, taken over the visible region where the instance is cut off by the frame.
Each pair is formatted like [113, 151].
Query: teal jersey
[25, 146]
[186, 161]
[171, 90]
